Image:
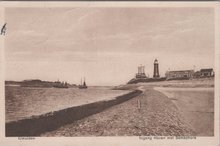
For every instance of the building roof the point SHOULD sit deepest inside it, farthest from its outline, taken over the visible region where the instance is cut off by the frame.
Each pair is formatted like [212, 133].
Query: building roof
[197, 72]
[206, 70]
[180, 71]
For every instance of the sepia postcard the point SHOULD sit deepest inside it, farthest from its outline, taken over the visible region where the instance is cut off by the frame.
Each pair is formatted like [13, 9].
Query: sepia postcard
[109, 73]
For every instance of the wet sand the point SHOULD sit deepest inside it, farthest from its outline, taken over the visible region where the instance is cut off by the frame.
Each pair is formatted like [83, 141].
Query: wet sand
[151, 113]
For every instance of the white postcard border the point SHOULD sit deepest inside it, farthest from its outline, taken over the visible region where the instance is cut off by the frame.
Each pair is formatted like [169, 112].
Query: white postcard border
[55, 141]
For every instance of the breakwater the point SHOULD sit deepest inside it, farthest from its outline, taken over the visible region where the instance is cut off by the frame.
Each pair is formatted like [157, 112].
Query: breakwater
[37, 125]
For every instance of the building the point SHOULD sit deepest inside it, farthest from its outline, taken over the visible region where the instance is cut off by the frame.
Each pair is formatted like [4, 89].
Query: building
[207, 72]
[197, 74]
[156, 69]
[204, 73]
[141, 72]
[178, 75]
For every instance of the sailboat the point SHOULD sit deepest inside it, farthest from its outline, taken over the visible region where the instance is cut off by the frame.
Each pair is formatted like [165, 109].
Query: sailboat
[83, 86]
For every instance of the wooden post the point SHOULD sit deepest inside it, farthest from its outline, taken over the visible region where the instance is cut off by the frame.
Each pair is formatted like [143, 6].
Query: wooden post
[139, 105]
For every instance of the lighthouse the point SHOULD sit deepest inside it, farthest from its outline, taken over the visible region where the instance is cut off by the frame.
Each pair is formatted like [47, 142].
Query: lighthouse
[156, 69]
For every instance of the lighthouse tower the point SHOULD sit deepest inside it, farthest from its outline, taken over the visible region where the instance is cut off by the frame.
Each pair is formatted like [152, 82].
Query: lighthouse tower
[156, 69]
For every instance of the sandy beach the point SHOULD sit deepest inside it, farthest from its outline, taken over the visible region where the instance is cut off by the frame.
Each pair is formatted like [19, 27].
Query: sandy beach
[196, 105]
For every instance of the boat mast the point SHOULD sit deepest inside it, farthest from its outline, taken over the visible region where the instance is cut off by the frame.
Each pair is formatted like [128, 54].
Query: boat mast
[84, 83]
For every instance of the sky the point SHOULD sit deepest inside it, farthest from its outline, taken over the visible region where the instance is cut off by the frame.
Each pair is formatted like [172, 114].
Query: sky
[105, 45]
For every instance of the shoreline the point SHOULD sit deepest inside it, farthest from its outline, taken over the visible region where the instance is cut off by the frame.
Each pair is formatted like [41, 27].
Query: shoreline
[37, 125]
[149, 114]
[39, 101]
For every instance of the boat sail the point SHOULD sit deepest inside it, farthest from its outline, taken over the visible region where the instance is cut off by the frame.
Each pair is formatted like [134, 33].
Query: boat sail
[83, 86]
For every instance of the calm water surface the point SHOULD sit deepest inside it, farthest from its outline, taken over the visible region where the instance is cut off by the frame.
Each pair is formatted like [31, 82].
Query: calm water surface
[24, 102]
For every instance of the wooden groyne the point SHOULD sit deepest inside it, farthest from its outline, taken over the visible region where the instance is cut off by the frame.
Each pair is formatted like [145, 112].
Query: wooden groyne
[51, 121]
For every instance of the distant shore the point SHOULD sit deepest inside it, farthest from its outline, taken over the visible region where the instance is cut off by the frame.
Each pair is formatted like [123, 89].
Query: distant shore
[36, 83]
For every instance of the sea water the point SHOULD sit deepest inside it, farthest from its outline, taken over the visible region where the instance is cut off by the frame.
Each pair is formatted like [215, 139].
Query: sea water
[24, 102]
